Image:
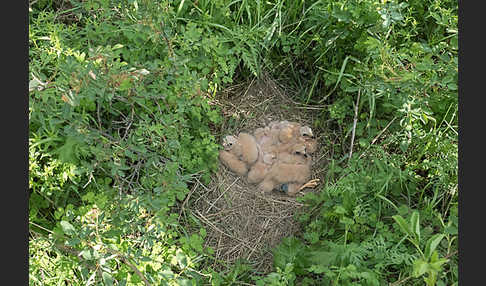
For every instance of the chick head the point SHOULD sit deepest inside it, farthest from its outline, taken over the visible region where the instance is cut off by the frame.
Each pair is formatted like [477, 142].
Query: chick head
[229, 141]
[306, 131]
[300, 149]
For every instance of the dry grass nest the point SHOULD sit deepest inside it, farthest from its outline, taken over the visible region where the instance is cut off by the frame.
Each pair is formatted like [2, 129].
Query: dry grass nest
[242, 223]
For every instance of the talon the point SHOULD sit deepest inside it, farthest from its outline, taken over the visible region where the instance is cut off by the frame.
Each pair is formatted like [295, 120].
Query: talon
[310, 184]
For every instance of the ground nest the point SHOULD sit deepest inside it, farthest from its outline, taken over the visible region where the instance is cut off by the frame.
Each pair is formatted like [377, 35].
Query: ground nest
[241, 222]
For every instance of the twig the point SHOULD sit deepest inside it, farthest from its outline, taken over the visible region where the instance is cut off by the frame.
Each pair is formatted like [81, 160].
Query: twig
[377, 136]
[255, 247]
[354, 125]
[451, 254]
[129, 125]
[186, 199]
[76, 253]
[213, 203]
[399, 281]
[384, 129]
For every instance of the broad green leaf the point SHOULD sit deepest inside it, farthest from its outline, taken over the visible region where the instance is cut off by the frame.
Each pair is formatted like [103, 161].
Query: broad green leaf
[86, 254]
[183, 282]
[403, 210]
[437, 265]
[430, 280]
[67, 228]
[432, 244]
[450, 230]
[107, 279]
[415, 224]
[181, 258]
[419, 268]
[340, 210]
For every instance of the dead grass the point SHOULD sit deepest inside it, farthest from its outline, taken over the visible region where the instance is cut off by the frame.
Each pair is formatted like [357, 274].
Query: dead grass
[242, 223]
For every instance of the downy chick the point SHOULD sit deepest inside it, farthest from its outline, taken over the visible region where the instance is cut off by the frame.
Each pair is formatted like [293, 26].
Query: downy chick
[239, 152]
[294, 154]
[233, 163]
[283, 173]
[266, 138]
[243, 147]
[290, 167]
[260, 169]
[291, 131]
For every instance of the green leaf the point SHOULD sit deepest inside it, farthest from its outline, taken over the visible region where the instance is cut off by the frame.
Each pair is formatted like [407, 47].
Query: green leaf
[322, 258]
[288, 252]
[437, 265]
[67, 228]
[125, 84]
[202, 232]
[403, 210]
[404, 146]
[415, 224]
[340, 210]
[346, 221]
[181, 259]
[86, 254]
[402, 224]
[419, 268]
[432, 244]
[452, 86]
[107, 279]
[450, 230]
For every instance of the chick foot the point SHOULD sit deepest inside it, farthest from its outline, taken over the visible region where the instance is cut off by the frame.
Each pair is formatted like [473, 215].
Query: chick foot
[310, 184]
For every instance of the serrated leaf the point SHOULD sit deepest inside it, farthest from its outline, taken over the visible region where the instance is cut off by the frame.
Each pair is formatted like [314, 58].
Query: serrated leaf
[287, 251]
[432, 244]
[322, 258]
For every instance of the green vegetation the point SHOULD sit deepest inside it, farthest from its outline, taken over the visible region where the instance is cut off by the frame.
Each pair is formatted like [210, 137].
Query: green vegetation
[121, 124]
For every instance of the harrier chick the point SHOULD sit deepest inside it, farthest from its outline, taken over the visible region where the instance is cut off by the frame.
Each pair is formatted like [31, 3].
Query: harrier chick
[239, 152]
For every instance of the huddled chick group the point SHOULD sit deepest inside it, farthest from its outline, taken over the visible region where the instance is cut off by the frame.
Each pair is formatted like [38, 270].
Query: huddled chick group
[277, 156]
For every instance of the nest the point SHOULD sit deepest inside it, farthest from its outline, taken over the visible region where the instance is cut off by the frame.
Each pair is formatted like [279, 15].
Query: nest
[241, 222]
